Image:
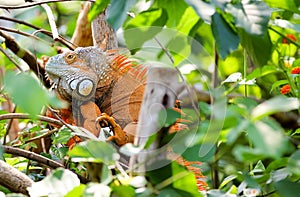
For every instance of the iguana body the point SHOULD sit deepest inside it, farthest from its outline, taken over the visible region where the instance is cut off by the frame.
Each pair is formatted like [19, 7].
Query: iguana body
[97, 82]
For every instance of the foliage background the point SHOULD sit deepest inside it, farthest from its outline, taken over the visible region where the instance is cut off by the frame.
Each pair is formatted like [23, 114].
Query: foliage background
[257, 147]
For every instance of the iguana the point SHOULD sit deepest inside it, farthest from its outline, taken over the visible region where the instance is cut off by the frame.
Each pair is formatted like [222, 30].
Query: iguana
[102, 86]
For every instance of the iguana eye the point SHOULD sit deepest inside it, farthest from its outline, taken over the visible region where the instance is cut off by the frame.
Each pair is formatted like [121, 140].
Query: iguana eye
[70, 57]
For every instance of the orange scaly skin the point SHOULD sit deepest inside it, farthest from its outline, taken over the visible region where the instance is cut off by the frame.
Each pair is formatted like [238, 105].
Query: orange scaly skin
[97, 82]
[104, 87]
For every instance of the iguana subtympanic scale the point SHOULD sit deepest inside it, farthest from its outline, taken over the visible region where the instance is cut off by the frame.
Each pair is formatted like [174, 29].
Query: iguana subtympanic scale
[97, 82]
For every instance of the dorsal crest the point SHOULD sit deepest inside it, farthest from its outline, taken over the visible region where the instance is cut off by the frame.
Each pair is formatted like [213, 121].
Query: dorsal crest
[122, 64]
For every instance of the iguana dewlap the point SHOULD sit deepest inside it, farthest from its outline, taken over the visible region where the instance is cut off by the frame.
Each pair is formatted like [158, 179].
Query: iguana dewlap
[97, 82]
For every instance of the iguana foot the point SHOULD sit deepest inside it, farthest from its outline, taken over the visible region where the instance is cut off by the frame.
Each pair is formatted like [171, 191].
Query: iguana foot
[120, 136]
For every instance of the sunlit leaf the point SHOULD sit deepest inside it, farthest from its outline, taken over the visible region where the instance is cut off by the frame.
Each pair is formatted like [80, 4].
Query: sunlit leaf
[203, 9]
[273, 105]
[251, 15]
[123, 190]
[76, 192]
[284, 4]
[227, 180]
[26, 92]
[97, 189]
[144, 27]
[94, 151]
[129, 149]
[286, 24]
[175, 10]
[97, 8]
[59, 183]
[234, 77]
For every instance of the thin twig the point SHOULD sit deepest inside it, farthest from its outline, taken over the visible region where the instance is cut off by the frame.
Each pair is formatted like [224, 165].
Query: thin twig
[9, 126]
[181, 77]
[60, 119]
[38, 3]
[50, 132]
[27, 116]
[165, 50]
[32, 156]
[60, 39]
[27, 56]
[11, 59]
[20, 32]
[51, 21]
[19, 21]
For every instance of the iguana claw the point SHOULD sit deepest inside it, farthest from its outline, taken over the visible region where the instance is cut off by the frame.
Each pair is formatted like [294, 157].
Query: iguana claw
[120, 136]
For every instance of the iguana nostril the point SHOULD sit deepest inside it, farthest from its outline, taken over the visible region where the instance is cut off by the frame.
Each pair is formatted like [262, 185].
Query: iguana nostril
[85, 87]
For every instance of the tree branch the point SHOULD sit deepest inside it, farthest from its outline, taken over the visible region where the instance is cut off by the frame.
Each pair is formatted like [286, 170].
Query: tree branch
[38, 3]
[38, 158]
[26, 116]
[27, 56]
[13, 179]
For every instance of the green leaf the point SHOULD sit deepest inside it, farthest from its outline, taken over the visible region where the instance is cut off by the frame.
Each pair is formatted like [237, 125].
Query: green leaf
[253, 44]
[246, 154]
[175, 10]
[26, 92]
[268, 137]
[284, 4]
[277, 164]
[144, 27]
[129, 149]
[203, 9]
[76, 192]
[278, 83]
[117, 12]
[62, 136]
[150, 140]
[216, 193]
[294, 163]
[227, 180]
[227, 40]
[273, 105]
[286, 24]
[287, 188]
[96, 189]
[252, 15]
[172, 192]
[59, 183]
[123, 190]
[167, 117]
[186, 182]
[97, 8]
[94, 151]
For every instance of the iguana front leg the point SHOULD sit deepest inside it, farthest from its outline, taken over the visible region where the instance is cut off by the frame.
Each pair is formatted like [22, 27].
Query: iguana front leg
[120, 136]
[90, 111]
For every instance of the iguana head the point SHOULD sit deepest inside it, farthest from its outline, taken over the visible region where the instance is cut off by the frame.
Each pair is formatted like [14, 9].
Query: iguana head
[75, 74]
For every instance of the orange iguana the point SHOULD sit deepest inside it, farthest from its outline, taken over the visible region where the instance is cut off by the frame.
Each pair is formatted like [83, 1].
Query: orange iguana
[103, 87]
[100, 85]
